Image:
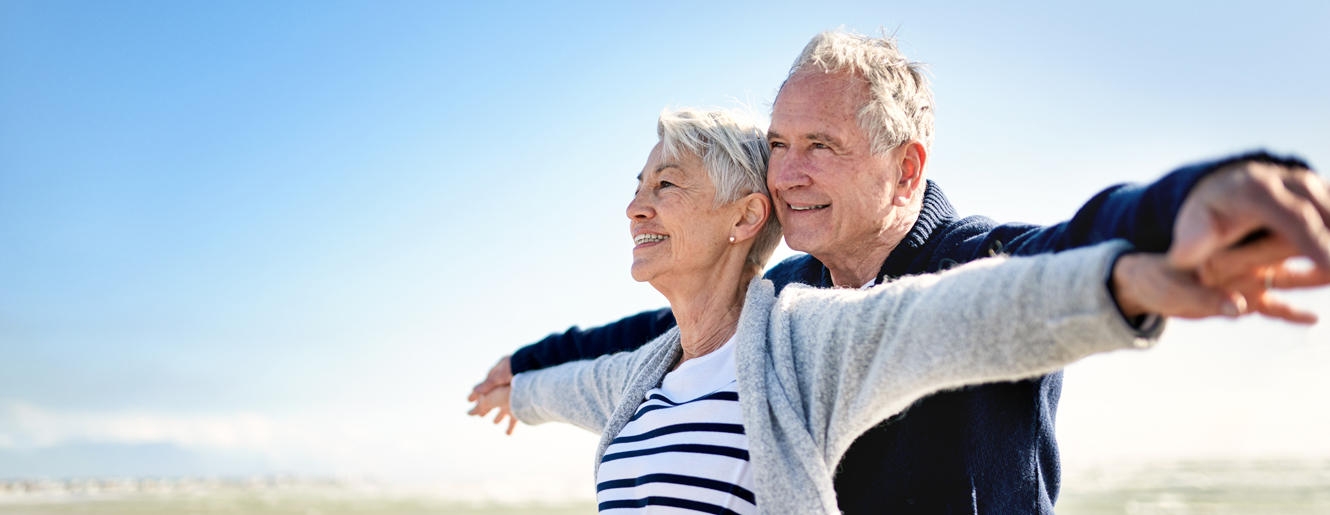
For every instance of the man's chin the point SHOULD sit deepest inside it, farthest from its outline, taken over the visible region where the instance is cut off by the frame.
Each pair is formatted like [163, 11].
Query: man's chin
[804, 241]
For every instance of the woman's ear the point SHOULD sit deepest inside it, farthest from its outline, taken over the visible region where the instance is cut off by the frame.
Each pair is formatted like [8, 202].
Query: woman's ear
[755, 209]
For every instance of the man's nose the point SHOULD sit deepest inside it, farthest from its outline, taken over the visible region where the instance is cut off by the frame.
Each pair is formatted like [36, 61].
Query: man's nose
[787, 171]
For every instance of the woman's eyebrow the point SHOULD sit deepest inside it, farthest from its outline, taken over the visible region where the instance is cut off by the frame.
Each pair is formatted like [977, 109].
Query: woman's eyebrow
[659, 169]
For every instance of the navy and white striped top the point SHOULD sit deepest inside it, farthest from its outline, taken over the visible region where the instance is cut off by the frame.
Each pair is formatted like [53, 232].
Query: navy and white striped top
[684, 451]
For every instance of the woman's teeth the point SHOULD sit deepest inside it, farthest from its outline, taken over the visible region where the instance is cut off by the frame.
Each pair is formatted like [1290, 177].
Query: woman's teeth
[806, 208]
[648, 238]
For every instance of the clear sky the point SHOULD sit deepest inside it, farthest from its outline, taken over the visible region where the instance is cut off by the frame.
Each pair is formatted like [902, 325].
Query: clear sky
[255, 237]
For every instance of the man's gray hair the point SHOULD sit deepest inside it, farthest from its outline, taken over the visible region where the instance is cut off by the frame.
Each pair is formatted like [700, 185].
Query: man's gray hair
[900, 105]
[734, 152]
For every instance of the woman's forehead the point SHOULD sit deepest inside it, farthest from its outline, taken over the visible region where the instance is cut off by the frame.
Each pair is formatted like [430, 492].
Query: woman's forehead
[657, 163]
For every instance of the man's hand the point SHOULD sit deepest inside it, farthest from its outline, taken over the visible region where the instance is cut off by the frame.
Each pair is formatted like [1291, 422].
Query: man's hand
[496, 398]
[500, 375]
[1248, 201]
[1245, 269]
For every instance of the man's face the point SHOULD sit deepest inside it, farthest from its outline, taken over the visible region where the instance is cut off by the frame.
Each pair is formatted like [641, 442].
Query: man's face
[832, 195]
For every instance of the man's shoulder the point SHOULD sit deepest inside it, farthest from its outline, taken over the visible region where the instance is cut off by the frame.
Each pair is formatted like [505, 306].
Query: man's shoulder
[962, 240]
[972, 227]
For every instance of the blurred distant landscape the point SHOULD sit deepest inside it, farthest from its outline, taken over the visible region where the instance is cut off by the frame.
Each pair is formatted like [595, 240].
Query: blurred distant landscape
[1194, 488]
[1191, 488]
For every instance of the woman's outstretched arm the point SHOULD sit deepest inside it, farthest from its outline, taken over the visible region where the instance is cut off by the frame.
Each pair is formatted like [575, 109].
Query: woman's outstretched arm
[583, 393]
[864, 356]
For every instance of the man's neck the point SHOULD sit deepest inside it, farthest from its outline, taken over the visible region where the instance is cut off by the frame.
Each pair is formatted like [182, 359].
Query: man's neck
[855, 266]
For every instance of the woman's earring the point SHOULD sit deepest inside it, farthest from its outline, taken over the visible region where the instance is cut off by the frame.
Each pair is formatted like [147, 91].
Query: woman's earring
[731, 239]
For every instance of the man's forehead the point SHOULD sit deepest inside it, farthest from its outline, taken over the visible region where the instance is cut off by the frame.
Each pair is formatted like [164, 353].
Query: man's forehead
[817, 108]
[821, 88]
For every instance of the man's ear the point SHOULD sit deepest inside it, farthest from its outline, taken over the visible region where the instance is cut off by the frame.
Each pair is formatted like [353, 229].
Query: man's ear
[756, 208]
[913, 156]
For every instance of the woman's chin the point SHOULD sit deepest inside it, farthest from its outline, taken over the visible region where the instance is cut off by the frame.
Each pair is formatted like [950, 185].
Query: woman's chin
[646, 271]
[641, 273]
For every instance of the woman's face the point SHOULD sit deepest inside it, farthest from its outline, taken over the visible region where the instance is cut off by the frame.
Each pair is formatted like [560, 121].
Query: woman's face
[678, 233]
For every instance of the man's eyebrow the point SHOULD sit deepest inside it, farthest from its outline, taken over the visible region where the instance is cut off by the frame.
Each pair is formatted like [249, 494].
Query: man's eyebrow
[822, 136]
[815, 136]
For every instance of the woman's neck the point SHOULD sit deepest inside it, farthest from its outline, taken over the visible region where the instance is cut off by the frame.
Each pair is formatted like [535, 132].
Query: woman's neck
[708, 312]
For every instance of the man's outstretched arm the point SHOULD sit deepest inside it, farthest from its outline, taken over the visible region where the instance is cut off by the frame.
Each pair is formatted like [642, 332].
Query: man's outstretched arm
[1265, 207]
[1258, 189]
[577, 344]
[1149, 216]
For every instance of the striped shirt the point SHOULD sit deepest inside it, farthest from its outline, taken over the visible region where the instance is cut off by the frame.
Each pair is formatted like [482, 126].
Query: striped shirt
[684, 451]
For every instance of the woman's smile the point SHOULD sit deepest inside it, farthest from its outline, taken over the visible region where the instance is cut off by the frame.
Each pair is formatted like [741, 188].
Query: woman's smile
[647, 239]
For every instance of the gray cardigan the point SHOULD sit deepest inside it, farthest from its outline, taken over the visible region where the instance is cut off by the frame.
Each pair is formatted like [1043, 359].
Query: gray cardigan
[818, 367]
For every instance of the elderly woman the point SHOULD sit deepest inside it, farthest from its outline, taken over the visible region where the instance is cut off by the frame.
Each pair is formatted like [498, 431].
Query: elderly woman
[748, 405]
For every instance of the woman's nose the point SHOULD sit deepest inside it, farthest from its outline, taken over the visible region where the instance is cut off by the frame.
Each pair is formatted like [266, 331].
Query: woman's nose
[640, 208]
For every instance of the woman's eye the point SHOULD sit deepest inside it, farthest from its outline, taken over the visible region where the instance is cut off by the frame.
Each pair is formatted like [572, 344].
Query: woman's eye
[666, 183]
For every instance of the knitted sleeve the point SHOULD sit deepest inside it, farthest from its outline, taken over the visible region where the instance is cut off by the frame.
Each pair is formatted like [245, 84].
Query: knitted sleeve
[582, 393]
[1142, 214]
[861, 357]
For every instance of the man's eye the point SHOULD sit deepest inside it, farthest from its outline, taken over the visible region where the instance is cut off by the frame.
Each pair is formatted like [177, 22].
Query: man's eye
[777, 144]
[666, 183]
[820, 145]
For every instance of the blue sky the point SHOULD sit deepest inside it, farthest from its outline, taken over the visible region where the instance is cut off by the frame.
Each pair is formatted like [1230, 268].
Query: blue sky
[257, 237]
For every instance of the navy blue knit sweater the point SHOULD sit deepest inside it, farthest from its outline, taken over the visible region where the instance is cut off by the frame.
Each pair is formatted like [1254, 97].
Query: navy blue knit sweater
[983, 449]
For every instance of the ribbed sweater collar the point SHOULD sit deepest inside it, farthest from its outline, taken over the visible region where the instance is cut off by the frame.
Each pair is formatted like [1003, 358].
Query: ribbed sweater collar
[936, 212]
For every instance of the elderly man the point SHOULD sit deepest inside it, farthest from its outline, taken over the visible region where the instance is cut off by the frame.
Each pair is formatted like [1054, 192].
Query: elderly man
[850, 135]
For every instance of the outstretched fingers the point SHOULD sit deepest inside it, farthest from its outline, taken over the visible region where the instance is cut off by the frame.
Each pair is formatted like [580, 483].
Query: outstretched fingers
[496, 399]
[1271, 306]
[1241, 263]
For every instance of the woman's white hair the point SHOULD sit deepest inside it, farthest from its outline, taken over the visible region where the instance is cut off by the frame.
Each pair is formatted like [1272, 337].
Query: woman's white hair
[900, 105]
[734, 152]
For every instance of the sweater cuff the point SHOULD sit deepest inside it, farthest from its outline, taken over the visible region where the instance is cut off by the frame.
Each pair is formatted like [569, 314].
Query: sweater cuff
[519, 402]
[1148, 326]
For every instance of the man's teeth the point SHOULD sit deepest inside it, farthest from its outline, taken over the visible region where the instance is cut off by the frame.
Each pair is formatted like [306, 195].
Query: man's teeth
[648, 238]
[806, 208]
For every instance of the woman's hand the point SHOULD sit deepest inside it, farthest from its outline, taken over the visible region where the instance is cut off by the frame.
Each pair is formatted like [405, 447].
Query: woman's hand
[1146, 284]
[496, 398]
[500, 375]
[1231, 283]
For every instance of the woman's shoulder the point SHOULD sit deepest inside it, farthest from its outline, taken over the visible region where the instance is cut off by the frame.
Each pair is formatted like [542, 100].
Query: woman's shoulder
[663, 347]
